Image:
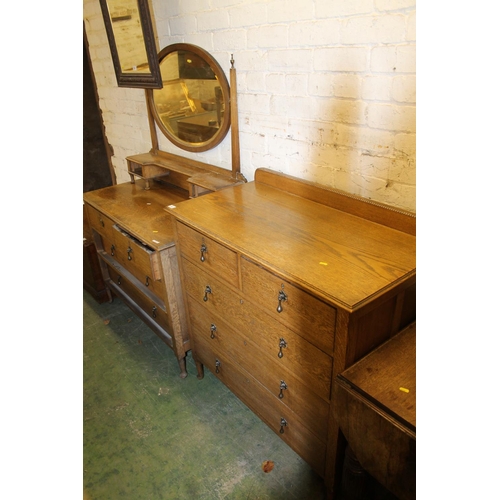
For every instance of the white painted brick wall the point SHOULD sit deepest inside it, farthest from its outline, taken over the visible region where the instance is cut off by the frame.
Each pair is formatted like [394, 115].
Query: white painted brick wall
[327, 88]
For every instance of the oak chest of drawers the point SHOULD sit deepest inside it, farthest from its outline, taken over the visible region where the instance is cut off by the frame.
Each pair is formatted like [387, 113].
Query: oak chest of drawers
[135, 244]
[287, 284]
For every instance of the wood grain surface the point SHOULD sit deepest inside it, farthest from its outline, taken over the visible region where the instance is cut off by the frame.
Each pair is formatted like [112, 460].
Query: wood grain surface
[331, 252]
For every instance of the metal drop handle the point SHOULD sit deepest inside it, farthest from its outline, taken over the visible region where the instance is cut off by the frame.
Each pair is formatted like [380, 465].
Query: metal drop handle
[213, 329]
[282, 344]
[217, 364]
[147, 281]
[283, 423]
[101, 221]
[154, 312]
[203, 251]
[207, 291]
[129, 251]
[283, 387]
[113, 250]
[282, 297]
[119, 280]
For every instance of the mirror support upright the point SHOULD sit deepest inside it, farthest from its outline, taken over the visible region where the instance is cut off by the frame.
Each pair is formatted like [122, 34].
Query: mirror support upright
[235, 134]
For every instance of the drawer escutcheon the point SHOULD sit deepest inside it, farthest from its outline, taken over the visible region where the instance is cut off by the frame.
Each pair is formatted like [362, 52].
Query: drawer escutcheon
[282, 344]
[283, 423]
[203, 251]
[283, 387]
[207, 291]
[282, 297]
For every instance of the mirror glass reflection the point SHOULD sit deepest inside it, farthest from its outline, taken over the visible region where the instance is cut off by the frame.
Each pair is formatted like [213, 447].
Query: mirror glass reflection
[129, 39]
[132, 43]
[192, 108]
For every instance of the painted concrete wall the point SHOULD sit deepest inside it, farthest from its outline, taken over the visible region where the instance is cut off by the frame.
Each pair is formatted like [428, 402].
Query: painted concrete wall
[326, 88]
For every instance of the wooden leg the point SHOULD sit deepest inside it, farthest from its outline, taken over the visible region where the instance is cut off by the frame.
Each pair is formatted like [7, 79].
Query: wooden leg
[335, 461]
[182, 366]
[199, 366]
[354, 478]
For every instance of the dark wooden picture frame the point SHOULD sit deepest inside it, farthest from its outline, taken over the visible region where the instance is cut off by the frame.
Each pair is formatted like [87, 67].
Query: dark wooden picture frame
[146, 80]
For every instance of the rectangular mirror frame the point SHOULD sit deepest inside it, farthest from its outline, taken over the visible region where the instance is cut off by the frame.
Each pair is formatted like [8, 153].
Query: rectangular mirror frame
[151, 80]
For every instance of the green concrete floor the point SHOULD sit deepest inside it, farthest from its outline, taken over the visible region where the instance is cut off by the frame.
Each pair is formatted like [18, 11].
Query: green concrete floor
[148, 434]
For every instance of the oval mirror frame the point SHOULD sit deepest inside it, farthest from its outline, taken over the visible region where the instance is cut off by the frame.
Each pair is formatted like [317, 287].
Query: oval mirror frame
[189, 121]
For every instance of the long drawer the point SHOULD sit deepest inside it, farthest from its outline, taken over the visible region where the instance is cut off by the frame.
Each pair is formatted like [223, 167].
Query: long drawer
[292, 351]
[156, 311]
[308, 316]
[271, 410]
[268, 370]
[140, 260]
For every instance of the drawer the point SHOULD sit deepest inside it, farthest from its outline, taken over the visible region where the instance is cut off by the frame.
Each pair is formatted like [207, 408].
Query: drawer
[103, 244]
[100, 223]
[295, 353]
[310, 317]
[152, 309]
[207, 253]
[143, 262]
[269, 408]
[284, 385]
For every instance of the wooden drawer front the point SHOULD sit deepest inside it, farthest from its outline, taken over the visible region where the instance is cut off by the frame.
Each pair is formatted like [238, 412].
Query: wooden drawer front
[309, 407]
[103, 244]
[315, 366]
[98, 221]
[309, 317]
[269, 408]
[151, 308]
[217, 259]
[141, 261]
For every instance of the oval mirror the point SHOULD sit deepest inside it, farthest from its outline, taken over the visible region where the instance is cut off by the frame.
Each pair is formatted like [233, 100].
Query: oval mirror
[192, 109]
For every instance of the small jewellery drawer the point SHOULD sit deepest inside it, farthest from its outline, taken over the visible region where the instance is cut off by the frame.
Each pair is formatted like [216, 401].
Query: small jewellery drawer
[269, 408]
[141, 261]
[307, 315]
[292, 351]
[212, 256]
[286, 386]
[150, 307]
[100, 223]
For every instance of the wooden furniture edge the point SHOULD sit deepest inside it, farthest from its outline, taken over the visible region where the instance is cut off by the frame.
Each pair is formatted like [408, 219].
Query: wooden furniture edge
[374, 211]
[171, 161]
[390, 289]
[124, 226]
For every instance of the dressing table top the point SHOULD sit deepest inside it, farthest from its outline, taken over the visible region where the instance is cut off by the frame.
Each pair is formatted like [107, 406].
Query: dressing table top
[346, 258]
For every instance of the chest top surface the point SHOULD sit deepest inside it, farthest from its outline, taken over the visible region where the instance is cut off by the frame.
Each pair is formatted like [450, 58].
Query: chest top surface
[343, 257]
[139, 211]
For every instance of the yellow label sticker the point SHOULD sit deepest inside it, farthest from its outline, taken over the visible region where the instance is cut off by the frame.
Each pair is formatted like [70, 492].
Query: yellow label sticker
[323, 263]
[404, 389]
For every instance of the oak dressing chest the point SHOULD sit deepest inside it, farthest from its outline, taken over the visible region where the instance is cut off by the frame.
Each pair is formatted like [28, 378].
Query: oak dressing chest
[135, 245]
[287, 284]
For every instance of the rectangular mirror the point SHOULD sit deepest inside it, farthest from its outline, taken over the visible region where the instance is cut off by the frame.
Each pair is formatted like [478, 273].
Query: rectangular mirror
[132, 43]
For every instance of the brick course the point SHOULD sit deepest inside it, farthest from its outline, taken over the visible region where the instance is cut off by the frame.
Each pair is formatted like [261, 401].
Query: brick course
[327, 90]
